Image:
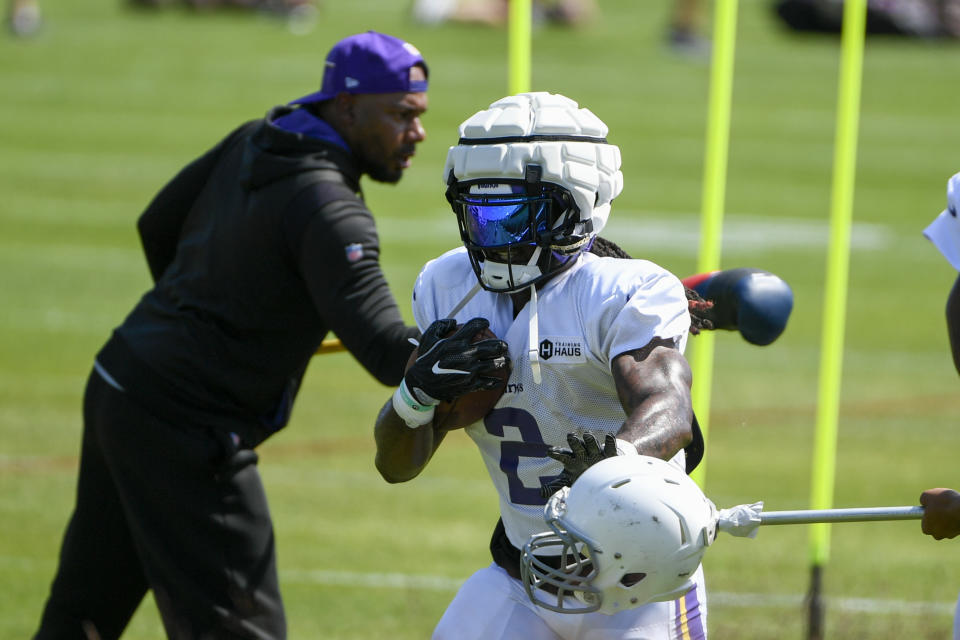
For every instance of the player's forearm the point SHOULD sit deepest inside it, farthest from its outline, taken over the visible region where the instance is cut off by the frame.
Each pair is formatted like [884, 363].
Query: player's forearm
[653, 385]
[402, 452]
[660, 426]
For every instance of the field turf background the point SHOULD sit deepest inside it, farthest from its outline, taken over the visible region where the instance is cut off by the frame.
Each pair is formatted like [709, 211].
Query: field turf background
[106, 104]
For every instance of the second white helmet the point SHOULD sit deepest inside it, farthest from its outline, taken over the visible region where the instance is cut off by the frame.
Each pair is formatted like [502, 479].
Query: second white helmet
[631, 530]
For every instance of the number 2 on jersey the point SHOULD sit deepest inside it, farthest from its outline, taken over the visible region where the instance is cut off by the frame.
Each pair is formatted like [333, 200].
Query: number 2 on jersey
[531, 446]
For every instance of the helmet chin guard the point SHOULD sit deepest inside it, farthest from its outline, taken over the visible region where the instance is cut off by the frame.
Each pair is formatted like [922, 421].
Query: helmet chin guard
[505, 276]
[630, 531]
[531, 181]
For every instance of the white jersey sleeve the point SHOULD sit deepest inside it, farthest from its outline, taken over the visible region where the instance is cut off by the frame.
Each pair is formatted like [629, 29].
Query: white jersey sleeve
[626, 304]
[944, 231]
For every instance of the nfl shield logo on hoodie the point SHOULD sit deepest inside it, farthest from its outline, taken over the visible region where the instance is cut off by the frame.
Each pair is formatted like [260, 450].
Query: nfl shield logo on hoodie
[354, 251]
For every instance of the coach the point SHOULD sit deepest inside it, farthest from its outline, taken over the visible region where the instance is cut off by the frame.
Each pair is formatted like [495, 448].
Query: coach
[257, 249]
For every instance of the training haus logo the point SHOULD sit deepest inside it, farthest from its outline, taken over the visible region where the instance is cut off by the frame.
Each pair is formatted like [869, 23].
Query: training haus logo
[562, 350]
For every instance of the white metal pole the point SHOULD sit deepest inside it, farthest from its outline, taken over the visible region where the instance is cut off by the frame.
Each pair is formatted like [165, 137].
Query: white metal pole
[868, 514]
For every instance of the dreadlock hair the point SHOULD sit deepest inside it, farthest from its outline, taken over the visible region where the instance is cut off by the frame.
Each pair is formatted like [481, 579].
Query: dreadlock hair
[608, 249]
[696, 304]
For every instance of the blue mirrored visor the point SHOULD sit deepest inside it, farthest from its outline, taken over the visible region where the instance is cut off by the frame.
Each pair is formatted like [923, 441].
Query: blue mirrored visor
[495, 222]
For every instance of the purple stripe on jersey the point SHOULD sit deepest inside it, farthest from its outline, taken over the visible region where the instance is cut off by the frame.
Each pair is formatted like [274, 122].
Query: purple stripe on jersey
[688, 611]
[689, 624]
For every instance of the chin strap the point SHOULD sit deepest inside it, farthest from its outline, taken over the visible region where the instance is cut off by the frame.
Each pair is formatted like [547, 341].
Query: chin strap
[534, 339]
[467, 298]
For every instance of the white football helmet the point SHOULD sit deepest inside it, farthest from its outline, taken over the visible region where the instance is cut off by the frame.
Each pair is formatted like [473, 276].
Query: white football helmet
[531, 181]
[631, 530]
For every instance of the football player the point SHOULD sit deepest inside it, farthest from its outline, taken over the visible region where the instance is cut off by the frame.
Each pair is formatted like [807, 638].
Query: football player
[594, 336]
[596, 345]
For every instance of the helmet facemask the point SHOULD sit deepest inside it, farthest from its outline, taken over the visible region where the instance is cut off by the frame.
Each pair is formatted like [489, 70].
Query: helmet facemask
[549, 584]
[518, 232]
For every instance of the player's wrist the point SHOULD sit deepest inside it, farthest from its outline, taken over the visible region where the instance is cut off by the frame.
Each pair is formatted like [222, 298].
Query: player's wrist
[413, 412]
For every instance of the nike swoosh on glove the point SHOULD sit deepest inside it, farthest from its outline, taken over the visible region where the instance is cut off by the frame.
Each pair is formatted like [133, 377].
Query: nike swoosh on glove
[450, 366]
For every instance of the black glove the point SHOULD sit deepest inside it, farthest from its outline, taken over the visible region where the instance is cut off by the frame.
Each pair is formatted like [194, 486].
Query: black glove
[581, 455]
[449, 367]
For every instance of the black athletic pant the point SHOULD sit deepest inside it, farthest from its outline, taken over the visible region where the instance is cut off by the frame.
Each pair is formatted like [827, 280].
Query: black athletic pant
[179, 509]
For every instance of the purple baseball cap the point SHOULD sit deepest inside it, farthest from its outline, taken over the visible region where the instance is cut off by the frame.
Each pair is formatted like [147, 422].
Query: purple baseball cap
[369, 62]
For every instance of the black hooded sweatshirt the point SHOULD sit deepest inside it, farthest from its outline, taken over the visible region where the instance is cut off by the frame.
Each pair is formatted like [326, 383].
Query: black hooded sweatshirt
[257, 249]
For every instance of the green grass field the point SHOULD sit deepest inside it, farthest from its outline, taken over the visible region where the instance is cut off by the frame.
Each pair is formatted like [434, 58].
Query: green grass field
[104, 106]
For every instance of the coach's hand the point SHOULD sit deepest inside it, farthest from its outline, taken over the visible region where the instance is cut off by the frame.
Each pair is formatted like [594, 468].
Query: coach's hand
[448, 367]
[582, 454]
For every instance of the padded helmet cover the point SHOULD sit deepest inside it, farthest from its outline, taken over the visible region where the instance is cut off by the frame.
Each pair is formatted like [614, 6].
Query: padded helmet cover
[567, 141]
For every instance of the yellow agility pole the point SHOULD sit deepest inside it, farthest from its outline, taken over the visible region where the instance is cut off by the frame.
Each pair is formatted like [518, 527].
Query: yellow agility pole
[835, 297]
[519, 47]
[714, 188]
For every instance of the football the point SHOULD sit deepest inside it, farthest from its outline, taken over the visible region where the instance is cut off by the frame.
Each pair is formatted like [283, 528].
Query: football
[471, 407]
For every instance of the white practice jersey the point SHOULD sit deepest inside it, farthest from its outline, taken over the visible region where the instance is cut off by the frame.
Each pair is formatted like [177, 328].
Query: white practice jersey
[586, 316]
